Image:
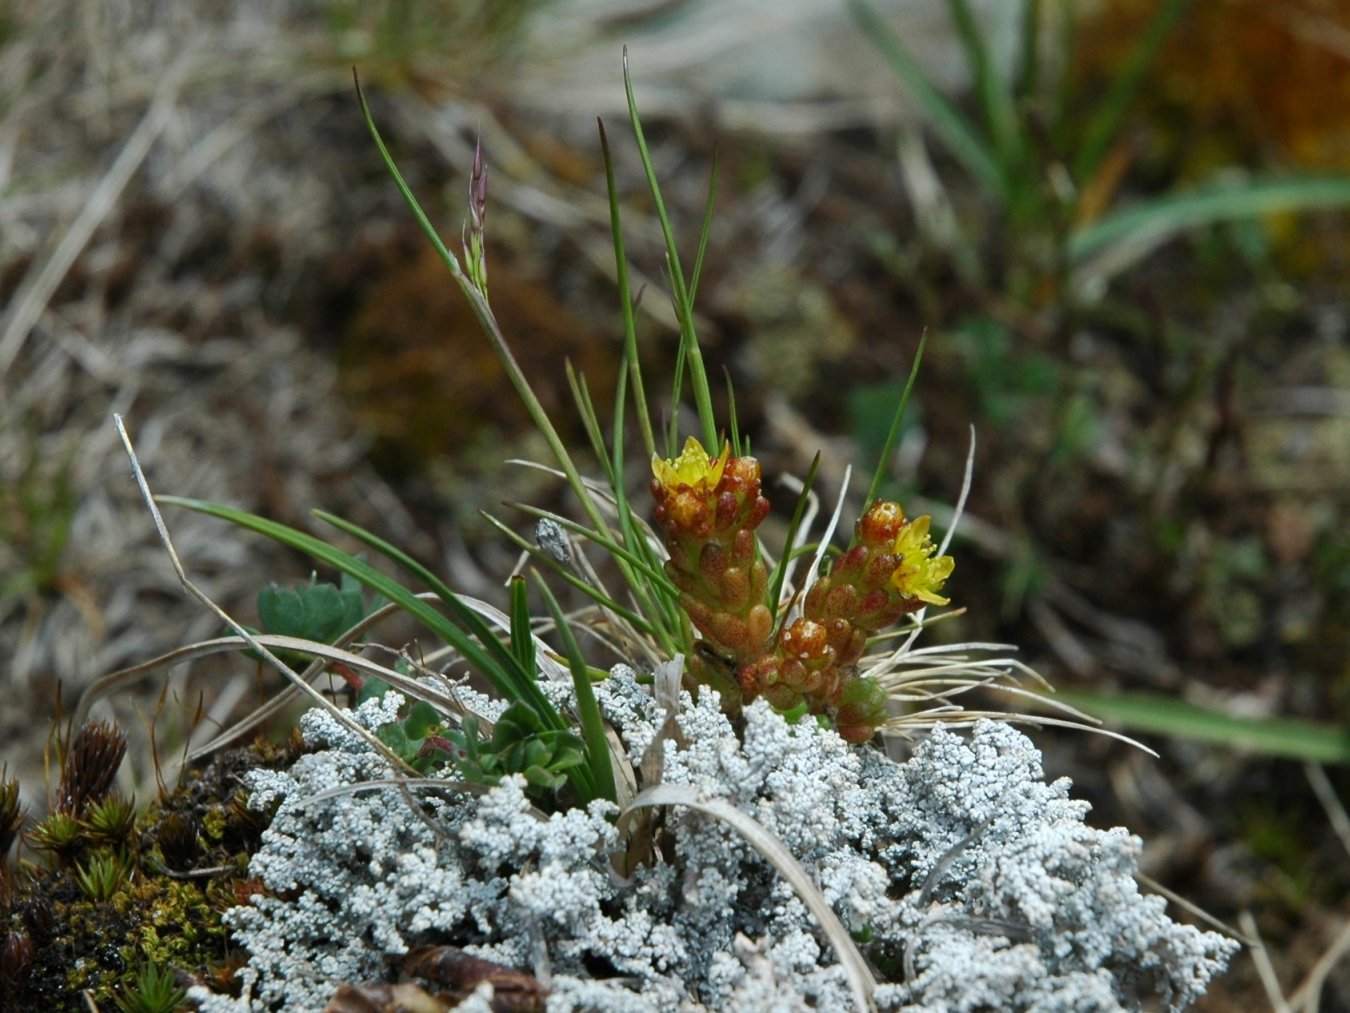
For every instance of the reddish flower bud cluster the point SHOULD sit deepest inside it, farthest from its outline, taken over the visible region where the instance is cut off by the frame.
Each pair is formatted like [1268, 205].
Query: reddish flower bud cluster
[814, 658]
[707, 509]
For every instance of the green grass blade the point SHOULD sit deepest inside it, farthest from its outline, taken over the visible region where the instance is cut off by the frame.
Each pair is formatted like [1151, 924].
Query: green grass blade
[1173, 213]
[639, 568]
[588, 711]
[1029, 59]
[950, 124]
[613, 464]
[1159, 715]
[590, 419]
[472, 620]
[1061, 90]
[733, 426]
[684, 304]
[894, 433]
[780, 570]
[488, 321]
[996, 101]
[522, 636]
[630, 351]
[1104, 124]
[705, 230]
[507, 678]
[677, 387]
[500, 656]
[617, 477]
[423, 222]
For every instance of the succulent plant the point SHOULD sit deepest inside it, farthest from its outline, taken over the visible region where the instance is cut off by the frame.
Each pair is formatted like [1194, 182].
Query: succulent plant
[707, 510]
[519, 744]
[516, 743]
[318, 611]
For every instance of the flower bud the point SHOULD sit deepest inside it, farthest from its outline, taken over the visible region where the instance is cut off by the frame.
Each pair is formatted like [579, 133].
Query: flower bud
[861, 711]
[707, 509]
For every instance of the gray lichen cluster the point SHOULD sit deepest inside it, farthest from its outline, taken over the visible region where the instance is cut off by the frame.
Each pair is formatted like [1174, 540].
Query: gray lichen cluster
[968, 878]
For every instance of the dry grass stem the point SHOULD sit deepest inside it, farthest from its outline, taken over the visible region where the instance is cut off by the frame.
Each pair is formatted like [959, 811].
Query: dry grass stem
[861, 980]
[252, 641]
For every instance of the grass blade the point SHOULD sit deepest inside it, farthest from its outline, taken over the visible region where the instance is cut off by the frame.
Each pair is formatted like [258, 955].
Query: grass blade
[705, 230]
[488, 321]
[1159, 715]
[684, 303]
[884, 460]
[676, 387]
[486, 657]
[996, 102]
[423, 222]
[1165, 216]
[630, 353]
[955, 129]
[733, 427]
[498, 657]
[1029, 59]
[1104, 124]
[590, 419]
[588, 711]
[522, 638]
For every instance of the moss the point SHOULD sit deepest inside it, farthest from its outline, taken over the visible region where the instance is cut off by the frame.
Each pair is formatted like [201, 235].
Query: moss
[165, 913]
[215, 823]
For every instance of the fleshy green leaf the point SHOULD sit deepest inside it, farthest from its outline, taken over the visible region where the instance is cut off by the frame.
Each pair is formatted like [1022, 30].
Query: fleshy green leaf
[422, 720]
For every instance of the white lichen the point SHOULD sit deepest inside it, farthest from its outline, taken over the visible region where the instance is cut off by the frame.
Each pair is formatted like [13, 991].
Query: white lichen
[972, 883]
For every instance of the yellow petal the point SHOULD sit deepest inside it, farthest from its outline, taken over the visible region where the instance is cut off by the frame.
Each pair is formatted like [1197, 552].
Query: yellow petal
[919, 575]
[693, 468]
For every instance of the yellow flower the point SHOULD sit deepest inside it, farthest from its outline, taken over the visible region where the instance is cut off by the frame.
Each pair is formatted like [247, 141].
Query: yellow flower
[693, 469]
[919, 575]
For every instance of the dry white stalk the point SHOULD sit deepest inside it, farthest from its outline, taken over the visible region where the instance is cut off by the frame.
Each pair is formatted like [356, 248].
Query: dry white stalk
[250, 639]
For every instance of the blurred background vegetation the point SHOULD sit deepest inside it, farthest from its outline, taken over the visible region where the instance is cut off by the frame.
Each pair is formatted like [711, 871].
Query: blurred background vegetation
[1121, 224]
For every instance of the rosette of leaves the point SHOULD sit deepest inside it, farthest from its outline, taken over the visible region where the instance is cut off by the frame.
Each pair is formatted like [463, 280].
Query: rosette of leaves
[418, 736]
[482, 752]
[319, 611]
[518, 744]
